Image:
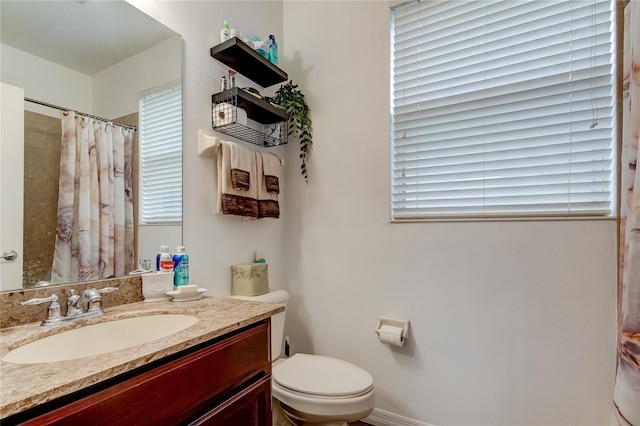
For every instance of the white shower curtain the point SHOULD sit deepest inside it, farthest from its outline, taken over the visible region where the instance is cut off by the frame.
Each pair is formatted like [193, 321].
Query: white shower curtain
[94, 233]
[627, 388]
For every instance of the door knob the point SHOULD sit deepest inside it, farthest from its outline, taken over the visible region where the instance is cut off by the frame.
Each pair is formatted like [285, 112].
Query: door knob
[10, 255]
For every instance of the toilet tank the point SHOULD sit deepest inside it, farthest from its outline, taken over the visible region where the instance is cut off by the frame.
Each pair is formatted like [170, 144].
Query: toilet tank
[277, 321]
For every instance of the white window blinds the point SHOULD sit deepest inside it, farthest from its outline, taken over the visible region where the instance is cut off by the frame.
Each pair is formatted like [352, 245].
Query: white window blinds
[161, 157]
[502, 108]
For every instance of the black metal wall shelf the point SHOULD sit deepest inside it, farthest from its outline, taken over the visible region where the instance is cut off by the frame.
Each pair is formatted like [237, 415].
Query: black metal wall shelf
[238, 55]
[257, 110]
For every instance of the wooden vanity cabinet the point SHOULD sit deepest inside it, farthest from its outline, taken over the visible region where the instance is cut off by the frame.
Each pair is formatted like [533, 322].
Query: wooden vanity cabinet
[224, 383]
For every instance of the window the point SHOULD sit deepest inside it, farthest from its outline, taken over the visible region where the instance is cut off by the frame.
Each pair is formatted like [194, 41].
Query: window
[161, 156]
[502, 109]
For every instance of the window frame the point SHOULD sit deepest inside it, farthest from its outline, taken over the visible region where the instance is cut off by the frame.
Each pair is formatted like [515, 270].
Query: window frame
[177, 141]
[513, 216]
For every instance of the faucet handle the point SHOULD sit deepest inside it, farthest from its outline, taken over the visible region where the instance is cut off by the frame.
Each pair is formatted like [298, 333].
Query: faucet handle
[107, 289]
[39, 300]
[73, 305]
[54, 308]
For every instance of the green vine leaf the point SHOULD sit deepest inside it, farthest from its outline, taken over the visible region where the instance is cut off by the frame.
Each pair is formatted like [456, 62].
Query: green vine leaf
[292, 100]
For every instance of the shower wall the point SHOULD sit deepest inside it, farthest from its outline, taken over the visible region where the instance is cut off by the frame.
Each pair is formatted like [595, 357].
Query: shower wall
[42, 135]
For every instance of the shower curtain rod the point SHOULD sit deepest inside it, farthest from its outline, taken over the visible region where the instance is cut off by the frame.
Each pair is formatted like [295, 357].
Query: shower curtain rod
[35, 101]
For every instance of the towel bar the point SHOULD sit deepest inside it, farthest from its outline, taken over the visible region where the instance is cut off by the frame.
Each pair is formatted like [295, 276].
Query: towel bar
[207, 142]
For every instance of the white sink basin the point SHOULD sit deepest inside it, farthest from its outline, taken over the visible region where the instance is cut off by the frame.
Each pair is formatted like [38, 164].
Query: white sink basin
[99, 338]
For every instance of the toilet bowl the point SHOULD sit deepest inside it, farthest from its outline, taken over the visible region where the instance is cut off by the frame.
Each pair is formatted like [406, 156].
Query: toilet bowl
[313, 389]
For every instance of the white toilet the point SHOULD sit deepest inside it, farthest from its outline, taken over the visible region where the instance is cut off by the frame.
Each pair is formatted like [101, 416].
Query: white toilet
[314, 389]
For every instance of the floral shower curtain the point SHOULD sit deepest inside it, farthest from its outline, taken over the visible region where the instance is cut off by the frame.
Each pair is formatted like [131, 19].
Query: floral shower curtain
[94, 234]
[627, 388]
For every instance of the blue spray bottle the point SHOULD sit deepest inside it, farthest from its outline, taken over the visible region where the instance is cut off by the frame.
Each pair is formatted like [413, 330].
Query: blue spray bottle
[181, 267]
[273, 50]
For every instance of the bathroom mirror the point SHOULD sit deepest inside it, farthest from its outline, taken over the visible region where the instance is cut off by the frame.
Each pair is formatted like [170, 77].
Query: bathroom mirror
[42, 44]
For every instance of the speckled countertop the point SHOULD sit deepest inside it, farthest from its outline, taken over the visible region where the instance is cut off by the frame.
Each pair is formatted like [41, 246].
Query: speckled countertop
[23, 386]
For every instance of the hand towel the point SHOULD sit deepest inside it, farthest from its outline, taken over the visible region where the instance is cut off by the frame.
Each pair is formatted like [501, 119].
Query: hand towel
[242, 161]
[267, 201]
[231, 200]
[271, 169]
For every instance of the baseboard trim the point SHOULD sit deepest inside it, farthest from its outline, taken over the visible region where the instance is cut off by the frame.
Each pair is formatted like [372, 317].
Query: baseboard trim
[385, 418]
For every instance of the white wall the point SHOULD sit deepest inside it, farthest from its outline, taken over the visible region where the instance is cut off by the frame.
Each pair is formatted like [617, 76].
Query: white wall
[215, 242]
[513, 322]
[72, 88]
[116, 89]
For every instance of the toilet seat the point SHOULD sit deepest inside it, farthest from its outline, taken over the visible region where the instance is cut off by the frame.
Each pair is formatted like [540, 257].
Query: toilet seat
[316, 409]
[321, 376]
[314, 388]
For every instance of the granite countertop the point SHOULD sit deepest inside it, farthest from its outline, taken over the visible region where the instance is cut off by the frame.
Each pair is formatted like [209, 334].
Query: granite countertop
[23, 386]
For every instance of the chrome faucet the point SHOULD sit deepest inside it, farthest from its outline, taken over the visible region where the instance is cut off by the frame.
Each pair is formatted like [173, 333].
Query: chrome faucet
[78, 306]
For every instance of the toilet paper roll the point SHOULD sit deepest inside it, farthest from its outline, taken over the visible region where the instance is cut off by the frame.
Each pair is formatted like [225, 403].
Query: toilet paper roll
[225, 113]
[391, 335]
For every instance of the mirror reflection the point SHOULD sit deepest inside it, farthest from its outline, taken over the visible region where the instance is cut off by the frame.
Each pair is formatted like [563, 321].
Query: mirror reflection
[101, 60]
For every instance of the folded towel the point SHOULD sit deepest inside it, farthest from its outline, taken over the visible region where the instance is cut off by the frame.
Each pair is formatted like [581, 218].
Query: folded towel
[231, 200]
[271, 168]
[267, 201]
[242, 161]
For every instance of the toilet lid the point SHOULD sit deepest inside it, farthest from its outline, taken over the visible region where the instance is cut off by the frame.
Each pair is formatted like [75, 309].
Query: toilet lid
[322, 376]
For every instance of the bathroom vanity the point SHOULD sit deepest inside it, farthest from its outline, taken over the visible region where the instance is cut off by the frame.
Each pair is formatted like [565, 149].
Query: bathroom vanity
[215, 372]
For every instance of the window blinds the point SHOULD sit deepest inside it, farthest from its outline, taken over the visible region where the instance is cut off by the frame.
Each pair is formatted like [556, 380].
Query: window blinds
[161, 157]
[502, 108]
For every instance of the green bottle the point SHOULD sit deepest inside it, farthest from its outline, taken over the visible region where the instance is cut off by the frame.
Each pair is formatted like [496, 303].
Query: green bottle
[224, 32]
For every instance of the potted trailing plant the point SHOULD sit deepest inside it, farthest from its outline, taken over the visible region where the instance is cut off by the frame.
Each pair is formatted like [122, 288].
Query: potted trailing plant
[289, 97]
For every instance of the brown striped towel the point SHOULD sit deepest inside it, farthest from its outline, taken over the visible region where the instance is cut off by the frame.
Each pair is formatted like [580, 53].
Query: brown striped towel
[231, 200]
[242, 161]
[268, 205]
[271, 169]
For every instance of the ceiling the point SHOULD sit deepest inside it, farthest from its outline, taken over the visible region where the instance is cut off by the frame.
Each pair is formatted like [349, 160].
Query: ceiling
[87, 35]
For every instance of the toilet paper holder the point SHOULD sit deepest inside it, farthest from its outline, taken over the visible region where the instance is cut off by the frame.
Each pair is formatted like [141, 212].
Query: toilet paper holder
[393, 322]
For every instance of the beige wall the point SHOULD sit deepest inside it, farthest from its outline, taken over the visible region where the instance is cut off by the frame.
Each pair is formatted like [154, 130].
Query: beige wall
[215, 242]
[42, 135]
[511, 322]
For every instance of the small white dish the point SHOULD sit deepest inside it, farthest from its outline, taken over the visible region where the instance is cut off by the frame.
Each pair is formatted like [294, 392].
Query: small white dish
[185, 297]
[140, 271]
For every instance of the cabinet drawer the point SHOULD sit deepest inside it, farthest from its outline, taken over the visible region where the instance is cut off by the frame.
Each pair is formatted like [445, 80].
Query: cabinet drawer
[176, 391]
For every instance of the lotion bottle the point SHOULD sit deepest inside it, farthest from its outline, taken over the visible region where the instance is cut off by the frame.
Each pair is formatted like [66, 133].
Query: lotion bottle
[164, 260]
[224, 32]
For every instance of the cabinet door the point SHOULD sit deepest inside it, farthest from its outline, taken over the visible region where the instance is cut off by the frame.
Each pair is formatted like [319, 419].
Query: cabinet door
[251, 407]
